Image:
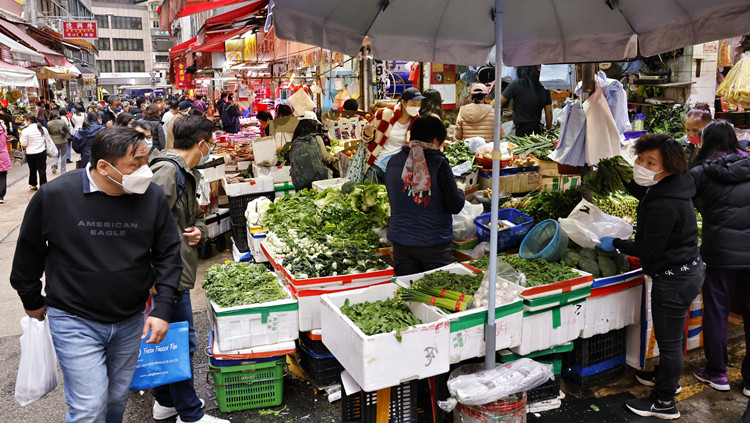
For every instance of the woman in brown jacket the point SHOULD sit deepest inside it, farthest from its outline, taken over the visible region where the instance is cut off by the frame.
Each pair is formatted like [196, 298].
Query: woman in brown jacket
[477, 119]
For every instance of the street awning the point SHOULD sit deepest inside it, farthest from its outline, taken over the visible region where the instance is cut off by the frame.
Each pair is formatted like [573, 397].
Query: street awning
[124, 78]
[12, 75]
[58, 72]
[85, 72]
[54, 58]
[215, 42]
[21, 52]
[180, 49]
[173, 9]
[234, 16]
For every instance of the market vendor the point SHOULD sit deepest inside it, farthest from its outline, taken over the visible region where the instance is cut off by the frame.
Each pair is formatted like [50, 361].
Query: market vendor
[666, 242]
[695, 120]
[423, 196]
[529, 99]
[388, 131]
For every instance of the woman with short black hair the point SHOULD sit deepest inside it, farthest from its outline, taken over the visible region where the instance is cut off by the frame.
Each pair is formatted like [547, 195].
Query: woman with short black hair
[721, 171]
[666, 242]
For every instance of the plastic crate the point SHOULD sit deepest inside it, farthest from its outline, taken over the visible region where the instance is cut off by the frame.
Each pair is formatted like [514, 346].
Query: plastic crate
[258, 385]
[547, 391]
[313, 345]
[507, 239]
[323, 370]
[587, 381]
[361, 407]
[237, 206]
[469, 244]
[598, 349]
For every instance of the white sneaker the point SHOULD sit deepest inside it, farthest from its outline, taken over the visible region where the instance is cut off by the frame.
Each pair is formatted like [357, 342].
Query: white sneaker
[745, 391]
[207, 419]
[162, 413]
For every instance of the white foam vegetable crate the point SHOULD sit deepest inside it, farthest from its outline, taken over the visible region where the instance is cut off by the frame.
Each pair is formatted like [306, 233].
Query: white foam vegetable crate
[615, 302]
[255, 185]
[308, 291]
[257, 324]
[467, 327]
[381, 361]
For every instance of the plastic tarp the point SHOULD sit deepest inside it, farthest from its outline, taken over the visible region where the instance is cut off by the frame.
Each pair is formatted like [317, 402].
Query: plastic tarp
[534, 31]
[21, 52]
[173, 9]
[17, 76]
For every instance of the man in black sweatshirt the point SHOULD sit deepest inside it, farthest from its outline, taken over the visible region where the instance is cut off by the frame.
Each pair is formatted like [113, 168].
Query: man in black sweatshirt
[101, 236]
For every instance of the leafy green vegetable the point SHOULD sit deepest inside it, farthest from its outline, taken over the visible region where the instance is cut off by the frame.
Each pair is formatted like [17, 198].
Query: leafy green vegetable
[552, 204]
[234, 284]
[465, 284]
[539, 146]
[381, 316]
[609, 177]
[667, 120]
[458, 153]
[449, 291]
[538, 272]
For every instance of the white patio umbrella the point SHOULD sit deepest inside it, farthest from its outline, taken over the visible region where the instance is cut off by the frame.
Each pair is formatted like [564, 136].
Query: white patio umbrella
[527, 32]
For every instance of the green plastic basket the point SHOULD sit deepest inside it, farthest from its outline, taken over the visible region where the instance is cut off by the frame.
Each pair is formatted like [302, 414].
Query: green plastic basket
[257, 385]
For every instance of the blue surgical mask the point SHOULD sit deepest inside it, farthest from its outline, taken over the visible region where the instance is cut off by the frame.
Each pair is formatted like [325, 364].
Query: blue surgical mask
[204, 159]
[149, 143]
[117, 109]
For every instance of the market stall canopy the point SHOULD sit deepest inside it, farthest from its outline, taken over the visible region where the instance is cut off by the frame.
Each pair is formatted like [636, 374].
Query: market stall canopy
[54, 58]
[17, 76]
[85, 72]
[173, 9]
[240, 15]
[58, 72]
[21, 52]
[534, 31]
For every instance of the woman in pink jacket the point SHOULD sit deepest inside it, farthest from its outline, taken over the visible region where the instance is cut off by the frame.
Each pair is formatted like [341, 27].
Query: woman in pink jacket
[477, 119]
[5, 163]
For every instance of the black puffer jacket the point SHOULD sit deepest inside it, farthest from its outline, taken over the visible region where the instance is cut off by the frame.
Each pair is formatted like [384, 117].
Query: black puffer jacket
[667, 234]
[723, 198]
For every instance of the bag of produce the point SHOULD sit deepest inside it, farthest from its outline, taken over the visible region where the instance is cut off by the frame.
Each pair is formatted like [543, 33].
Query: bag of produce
[463, 222]
[587, 224]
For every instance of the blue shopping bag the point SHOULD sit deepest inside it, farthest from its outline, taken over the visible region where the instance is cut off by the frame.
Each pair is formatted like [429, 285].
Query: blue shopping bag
[165, 362]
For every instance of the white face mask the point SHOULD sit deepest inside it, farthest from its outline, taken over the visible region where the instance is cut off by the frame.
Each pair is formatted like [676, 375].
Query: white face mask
[412, 110]
[136, 182]
[149, 143]
[644, 177]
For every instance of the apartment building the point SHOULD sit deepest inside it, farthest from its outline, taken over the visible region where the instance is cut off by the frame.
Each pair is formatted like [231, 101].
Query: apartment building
[126, 55]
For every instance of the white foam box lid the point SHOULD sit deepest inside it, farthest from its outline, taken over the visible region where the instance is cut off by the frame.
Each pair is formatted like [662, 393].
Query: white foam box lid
[381, 361]
[278, 173]
[247, 326]
[539, 332]
[256, 185]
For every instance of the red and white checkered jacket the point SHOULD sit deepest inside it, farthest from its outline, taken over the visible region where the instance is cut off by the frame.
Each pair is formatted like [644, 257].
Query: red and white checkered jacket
[383, 122]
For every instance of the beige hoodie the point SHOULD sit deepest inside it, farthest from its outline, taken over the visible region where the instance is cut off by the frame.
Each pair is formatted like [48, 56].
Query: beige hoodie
[476, 120]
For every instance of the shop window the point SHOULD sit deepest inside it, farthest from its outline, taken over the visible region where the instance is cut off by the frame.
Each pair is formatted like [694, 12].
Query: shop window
[126, 22]
[103, 44]
[130, 66]
[102, 21]
[104, 66]
[127, 44]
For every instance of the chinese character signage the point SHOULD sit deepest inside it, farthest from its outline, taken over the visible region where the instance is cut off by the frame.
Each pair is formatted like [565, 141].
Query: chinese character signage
[79, 29]
[182, 79]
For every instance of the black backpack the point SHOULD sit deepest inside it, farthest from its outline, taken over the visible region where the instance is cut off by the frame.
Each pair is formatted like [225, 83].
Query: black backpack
[306, 162]
[180, 181]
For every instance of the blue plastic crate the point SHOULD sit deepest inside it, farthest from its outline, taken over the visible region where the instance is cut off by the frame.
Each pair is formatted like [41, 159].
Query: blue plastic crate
[507, 239]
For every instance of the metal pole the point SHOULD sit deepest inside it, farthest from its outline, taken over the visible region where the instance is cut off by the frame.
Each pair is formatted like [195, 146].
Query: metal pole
[490, 334]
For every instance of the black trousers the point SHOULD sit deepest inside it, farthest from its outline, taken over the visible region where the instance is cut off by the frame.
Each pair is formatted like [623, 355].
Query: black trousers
[3, 184]
[37, 166]
[525, 129]
[670, 302]
[410, 260]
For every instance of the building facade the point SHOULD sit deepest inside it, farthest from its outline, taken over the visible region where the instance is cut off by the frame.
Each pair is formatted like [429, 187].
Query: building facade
[126, 55]
[161, 43]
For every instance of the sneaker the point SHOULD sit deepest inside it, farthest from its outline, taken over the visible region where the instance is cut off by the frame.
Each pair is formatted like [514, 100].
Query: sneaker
[649, 379]
[2, 201]
[720, 383]
[652, 407]
[33, 187]
[68, 161]
[54, 169]
[207, 419]
[745, 389]
[161, 412]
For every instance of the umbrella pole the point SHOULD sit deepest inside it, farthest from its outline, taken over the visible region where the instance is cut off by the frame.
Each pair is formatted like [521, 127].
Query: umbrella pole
[490, 334]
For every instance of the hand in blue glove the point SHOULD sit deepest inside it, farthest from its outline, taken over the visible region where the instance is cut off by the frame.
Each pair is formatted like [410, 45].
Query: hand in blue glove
[606, 244]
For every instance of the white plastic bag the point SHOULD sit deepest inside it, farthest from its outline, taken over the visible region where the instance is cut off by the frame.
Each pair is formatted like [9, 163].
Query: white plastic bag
[463, 222]
[471, 385]
[476, 142]
[602, 136]
[37, 370]
[586, 225]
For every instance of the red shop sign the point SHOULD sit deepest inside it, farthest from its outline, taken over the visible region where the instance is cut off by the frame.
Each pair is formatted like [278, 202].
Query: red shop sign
[79, 29]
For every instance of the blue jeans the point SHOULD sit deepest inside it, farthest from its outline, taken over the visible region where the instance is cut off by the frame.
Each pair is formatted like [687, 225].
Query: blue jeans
[98, 361]
[181, 395]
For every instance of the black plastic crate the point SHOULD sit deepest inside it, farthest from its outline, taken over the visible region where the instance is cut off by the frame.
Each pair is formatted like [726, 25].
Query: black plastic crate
[549, 390]
[322, 370]
[595, 379]
[425, 403]
[315, 346]
[598, 349]
[362, 406]
[239, 235]
[238, 205]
